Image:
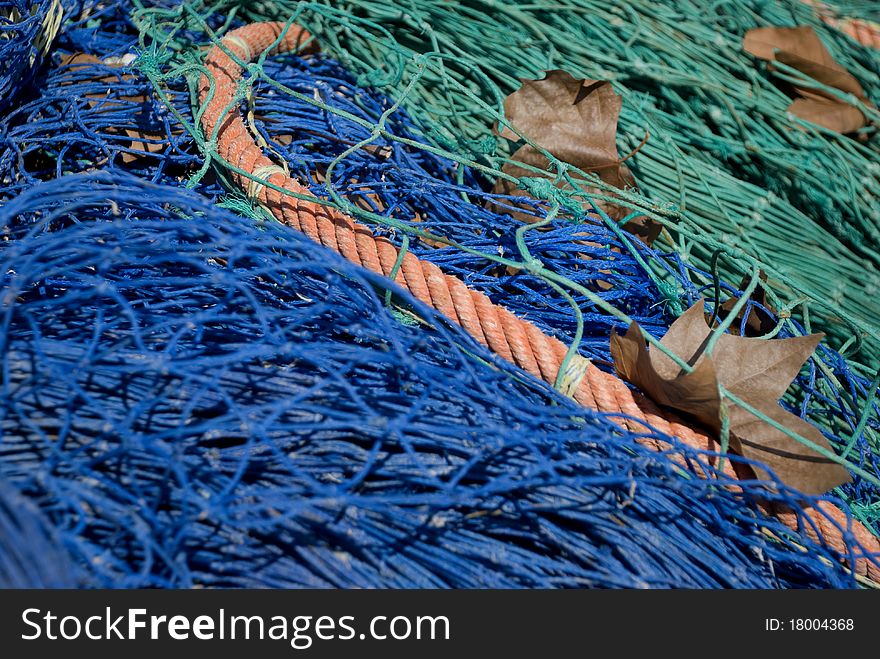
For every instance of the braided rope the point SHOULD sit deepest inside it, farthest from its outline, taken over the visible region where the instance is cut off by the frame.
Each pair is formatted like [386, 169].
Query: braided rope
[865, 32]
[512, 338]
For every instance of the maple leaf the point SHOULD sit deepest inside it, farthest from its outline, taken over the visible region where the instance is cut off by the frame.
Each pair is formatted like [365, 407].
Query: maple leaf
[757, 371]
[575, 120]
[801, 49]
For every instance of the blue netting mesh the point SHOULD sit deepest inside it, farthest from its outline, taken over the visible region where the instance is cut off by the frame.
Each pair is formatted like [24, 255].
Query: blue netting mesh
[26, 29]
[92, 111]
[31, 555]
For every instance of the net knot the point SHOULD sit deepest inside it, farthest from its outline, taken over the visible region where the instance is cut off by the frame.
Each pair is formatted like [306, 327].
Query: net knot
[261, 175]
[572, 374]
[380, 78]
[671, 297]
[150, 63]
[544, 188]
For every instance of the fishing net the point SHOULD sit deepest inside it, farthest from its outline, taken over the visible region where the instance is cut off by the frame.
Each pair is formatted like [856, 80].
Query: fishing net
[858, 9]
[240, 409]
[26, 30]
[196, 398]
[31, 555]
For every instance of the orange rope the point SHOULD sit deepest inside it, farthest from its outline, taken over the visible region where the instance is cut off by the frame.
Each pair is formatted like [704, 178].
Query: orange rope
[865, 32]
[514, 339]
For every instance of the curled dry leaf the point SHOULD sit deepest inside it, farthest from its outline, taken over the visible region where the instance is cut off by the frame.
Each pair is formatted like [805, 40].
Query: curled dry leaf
[756, 370]
[801, 49]
[575, 120]
[839, 117]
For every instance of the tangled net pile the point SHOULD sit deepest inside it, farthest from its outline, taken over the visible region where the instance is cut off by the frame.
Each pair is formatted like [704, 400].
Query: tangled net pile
[26, 30]
[194, 394]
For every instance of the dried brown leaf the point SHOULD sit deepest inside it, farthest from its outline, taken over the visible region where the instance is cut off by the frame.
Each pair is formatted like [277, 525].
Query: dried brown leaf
[757, 371]
[75, 60]
[695, 393]
[832, 75]
[763, 42]
[80, 58]
[832, 115]
[143, 142]
[801, 49]
[575, 120]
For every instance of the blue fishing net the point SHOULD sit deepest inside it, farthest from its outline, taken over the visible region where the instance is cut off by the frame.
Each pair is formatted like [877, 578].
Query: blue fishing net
[26, 30]
[31, 554]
